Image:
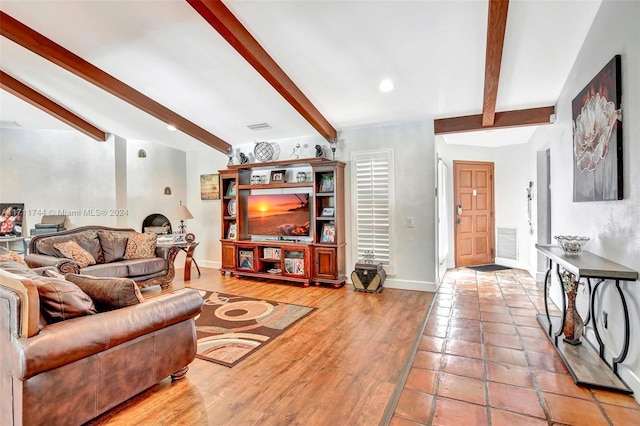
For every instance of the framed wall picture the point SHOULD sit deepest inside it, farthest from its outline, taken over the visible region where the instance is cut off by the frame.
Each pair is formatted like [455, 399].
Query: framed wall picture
[328, 212]
[277, 176]
[328, 233]
[11, 219]
[597, 137]
[210, 187]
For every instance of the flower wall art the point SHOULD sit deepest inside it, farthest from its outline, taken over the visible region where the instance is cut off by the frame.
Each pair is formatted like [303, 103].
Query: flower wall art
[597, 137]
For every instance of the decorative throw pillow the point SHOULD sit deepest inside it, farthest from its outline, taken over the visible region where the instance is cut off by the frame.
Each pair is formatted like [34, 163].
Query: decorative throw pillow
[141, 246]
[12, 255]
[72, 250]
[113, 244]
[108, 293]
[62, 300]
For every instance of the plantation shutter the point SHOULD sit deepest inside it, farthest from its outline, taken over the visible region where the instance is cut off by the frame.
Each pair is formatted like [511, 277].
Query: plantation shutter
[372, 210]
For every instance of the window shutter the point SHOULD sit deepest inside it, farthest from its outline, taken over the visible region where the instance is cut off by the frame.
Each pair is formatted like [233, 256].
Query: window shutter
[372, 211]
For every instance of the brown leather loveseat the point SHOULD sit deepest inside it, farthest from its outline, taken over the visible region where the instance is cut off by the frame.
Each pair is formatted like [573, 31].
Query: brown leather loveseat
[108, 248]
[69, 371]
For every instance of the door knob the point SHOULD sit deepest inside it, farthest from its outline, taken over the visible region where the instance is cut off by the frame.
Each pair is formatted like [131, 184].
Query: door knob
[458, 220]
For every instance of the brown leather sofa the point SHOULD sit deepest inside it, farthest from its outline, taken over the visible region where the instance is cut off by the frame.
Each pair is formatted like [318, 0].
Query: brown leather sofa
[68, 372]
[158, 270]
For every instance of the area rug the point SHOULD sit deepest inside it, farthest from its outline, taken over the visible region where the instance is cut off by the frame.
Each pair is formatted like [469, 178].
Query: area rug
[488, 268]
[231, 327]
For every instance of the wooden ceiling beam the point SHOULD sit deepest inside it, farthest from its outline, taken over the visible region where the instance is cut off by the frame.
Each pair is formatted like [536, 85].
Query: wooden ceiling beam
[42, 46]
[496, 27]
[515, 118]
[40, 101]
[232, 30]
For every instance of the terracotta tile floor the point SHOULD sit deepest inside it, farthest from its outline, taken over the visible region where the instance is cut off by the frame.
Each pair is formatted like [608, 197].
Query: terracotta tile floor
[484, 360]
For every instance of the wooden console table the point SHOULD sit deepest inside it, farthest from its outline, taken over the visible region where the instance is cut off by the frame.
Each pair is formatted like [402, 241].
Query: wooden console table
[586, 367]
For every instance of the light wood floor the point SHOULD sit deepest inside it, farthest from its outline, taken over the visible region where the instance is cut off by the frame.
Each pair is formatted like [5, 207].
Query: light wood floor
[338, 366]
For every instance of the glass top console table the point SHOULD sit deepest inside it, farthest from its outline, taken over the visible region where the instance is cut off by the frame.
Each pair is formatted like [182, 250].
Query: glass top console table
[586, 367]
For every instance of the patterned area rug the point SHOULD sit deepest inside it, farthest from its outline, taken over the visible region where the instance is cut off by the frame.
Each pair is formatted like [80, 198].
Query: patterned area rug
[230, 327]
[488, 268]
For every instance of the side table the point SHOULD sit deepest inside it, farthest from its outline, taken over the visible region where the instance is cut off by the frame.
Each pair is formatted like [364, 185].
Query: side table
[189, 249]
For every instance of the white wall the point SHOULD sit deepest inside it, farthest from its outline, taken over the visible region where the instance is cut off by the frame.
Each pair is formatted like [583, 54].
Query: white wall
[611, 225]
[206, 213]
[65, 172]
[53, 172]
[511, 179]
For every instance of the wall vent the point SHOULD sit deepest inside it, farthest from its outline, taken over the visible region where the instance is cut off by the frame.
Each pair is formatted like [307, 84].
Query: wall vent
[259, 126]
[507, 243]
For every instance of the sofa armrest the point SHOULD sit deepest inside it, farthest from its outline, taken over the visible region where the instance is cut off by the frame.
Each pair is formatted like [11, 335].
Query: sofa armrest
[68, 341]
[62, 264]
[168, 253]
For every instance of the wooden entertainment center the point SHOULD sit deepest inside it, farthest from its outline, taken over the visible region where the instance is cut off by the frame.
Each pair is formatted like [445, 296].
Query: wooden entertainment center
[318, 258]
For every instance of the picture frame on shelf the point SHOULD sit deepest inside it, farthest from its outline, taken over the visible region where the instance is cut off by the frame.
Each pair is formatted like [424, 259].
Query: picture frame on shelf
[210, 187]
[231, 189]
[277, 176]
[328, 212]
[328, 233]
[231, 233]
[326, 184]
[245, 259]
[289, 266]
[179, 238]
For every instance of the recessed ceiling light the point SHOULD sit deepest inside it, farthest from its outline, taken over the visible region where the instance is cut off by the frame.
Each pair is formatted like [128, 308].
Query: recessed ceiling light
[171, 128]
[386, 85]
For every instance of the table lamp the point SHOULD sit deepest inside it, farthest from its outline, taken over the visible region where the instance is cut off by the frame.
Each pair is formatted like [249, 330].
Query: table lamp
[182, 212]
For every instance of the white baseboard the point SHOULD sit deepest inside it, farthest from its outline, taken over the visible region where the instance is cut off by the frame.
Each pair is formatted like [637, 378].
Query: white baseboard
[411, 285]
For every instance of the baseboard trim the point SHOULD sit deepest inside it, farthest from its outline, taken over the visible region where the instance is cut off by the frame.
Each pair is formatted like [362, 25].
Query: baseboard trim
[411, 285]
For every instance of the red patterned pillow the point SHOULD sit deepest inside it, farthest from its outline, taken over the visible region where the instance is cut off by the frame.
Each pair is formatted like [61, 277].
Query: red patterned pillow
[141, 246]
[72, 250]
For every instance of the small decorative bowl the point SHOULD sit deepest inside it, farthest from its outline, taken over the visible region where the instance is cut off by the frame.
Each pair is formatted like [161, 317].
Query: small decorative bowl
[571, 244]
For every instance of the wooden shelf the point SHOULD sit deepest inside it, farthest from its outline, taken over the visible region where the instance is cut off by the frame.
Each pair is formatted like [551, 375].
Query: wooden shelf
[277, 185]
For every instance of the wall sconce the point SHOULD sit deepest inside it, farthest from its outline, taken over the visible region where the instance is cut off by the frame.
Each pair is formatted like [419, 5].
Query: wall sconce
[142, 153]
[167, 191]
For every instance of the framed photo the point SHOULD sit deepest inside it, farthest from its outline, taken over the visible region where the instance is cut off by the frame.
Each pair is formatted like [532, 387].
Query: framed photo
[231, 233]
[328, 233]
[328, 211]
[231, 189]
[277, 176]
[326, 184]
[245, 259]
[179, 238]
[210, 187]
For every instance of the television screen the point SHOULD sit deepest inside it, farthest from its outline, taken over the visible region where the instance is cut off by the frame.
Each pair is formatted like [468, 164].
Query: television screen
[11, 219]
[279, 214]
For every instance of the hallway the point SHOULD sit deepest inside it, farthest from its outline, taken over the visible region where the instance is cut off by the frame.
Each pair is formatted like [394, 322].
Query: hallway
[483, 359]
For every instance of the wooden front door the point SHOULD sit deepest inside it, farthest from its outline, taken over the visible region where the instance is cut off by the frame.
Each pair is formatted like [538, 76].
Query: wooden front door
[473, 212]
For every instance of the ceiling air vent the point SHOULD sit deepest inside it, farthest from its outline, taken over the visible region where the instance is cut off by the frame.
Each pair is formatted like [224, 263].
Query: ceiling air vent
[259, 126]
[4, 123]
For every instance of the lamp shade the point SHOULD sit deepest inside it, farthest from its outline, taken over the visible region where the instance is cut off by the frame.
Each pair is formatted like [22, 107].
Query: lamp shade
[182, 212]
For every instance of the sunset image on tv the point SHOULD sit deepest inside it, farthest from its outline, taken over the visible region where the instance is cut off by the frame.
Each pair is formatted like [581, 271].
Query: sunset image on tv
[279, 214]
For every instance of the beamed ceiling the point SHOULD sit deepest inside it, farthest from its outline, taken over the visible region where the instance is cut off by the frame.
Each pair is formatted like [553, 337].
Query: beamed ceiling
[305, 67]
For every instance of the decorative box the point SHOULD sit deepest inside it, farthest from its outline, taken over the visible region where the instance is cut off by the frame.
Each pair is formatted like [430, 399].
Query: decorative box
[368, 277]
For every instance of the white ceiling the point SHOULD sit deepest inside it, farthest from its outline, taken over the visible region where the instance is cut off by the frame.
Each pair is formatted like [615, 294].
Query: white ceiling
[337, 52]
